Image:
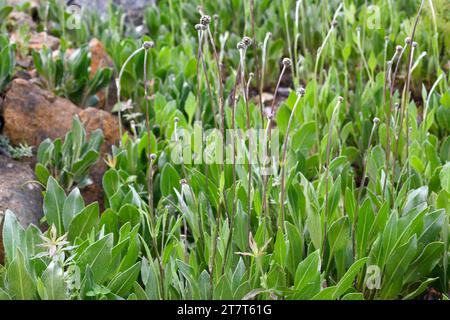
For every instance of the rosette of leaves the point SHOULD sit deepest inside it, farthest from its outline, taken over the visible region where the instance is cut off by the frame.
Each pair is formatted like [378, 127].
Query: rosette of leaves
[69, 76]
[69, 161]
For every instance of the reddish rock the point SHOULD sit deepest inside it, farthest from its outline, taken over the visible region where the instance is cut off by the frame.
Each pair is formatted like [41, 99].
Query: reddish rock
[32, 114]
[38, 40]
[101, 59]
[18, 194]
[18, 18]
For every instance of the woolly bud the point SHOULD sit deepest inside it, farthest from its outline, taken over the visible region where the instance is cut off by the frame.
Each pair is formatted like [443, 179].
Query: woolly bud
[376, 120]
[148, 45]
[389, 63]
[301, 91]
[200, 27]
[183, 181]
[408, 40]
[205, 20]
[415, 44]
[334, 23]
[176, 119]
[247, 41]
[287, 62]
[386, 38]
[399, 48]
[340, 99]
[153, 157]
[241, 45]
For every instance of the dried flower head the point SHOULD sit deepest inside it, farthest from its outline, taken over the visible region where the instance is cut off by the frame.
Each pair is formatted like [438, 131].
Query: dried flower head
[287, 62]
[200, 27]
[148, 45]
[247, 41]
[241, 45]
[205, 20]
[301, 91]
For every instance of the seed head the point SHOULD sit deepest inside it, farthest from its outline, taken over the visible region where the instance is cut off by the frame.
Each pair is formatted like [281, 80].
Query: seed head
[287, 62]
[376, 120]
[399, 48]
[415, 44]
[205, 20]
[148, 45]
[408, 40]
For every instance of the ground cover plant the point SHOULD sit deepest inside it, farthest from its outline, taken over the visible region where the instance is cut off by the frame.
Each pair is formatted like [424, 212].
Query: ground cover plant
[291, 150]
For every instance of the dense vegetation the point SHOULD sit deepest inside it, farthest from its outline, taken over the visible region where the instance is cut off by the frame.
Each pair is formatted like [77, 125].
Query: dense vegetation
[352, 100]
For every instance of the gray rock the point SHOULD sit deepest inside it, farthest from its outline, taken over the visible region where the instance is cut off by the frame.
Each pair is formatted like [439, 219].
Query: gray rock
[18, 194]
[133, 9]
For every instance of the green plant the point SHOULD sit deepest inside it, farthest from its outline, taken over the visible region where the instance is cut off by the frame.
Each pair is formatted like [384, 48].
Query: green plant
[69, 160]
[69, 76]
[7, 61]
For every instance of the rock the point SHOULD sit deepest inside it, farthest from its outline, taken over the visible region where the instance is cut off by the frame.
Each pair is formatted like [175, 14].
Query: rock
[31, 114]
[33, 3]
[134, 9]
[94, 119]
[18, 18]
[18, 194]
[101, 59]
[37, 41]
[99, 56]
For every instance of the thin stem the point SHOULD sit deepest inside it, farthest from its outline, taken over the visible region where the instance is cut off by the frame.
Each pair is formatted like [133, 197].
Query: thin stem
[283, 161]
[327, 173]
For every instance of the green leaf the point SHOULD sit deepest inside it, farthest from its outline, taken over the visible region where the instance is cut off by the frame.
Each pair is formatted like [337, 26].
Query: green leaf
[170, 179]
[445, 177]
[13, 235]
[124, 281]
[190, 106]
[72, 206]
[21, 283]
[98, 257]
[307, 277]
[279, 252]
[54, 283]
[53, 205]
[346, 282]
[83, 222]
